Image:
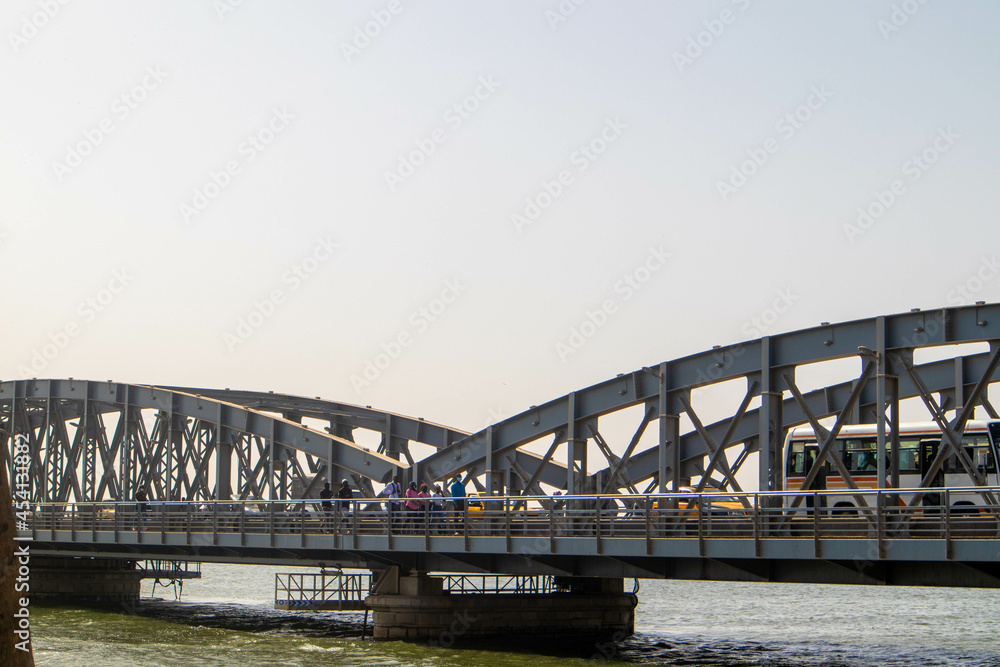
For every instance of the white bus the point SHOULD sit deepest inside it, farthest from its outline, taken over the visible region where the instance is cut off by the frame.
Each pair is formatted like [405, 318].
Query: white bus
[856, 446]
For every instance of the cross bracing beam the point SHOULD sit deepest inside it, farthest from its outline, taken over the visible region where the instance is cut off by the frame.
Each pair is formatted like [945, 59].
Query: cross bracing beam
[938, 376]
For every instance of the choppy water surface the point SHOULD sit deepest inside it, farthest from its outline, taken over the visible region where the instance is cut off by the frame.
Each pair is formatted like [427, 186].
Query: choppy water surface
[226, 619]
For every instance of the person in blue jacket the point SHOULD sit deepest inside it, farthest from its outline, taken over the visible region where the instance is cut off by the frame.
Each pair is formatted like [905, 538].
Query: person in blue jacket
[457, 491]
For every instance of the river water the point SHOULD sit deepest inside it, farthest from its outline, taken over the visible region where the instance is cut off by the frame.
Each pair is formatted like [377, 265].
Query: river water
[226, 619]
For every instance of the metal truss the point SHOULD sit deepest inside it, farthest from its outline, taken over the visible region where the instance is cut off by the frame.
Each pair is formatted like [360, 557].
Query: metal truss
[93, 441]
[768, 366]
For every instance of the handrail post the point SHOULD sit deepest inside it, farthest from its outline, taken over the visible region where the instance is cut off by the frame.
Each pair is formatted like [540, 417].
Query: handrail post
[465, 525]
[506, 516]
[816, 525]
[946, 513]
[701, 528]
[756, 525]
[355, 507]
[597, 527]
[649, 521]
[552, 529]
[427, 523]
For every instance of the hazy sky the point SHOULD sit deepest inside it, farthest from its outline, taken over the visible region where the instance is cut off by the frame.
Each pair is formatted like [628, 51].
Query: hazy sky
[415, 205]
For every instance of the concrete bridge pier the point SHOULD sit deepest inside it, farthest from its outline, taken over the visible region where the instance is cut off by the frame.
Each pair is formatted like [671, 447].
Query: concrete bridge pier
[414, 607]
[84, 580]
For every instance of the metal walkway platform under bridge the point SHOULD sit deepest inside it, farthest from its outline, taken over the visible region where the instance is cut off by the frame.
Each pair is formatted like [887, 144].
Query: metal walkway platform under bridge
[325, 590]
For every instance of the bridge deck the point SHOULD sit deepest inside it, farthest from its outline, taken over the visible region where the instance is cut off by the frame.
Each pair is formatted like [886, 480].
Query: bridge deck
[640, 537]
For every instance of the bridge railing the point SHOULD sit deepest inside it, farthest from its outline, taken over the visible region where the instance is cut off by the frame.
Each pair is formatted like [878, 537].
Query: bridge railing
[954, 513]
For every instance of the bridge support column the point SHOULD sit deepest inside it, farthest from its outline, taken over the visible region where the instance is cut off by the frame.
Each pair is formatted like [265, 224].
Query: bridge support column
[86, 580]
[592, 610]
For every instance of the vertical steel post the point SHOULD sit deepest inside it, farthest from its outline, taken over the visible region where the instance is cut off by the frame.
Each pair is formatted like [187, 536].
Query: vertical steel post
[880, 400]
[669, 444]
[576, 451]
[770, 426]
[493, 476]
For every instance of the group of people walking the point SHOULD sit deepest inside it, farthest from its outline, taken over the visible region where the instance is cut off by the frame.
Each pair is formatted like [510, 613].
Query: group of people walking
[406, 508]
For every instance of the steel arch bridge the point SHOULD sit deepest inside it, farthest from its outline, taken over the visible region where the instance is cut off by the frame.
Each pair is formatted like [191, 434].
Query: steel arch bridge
[102, 441]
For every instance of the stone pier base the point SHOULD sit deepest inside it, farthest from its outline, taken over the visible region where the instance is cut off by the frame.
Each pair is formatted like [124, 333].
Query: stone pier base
[420, 611]
[84, 580]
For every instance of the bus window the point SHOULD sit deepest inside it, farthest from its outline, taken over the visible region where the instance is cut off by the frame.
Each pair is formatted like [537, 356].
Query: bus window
[978, 448]
[908, 456]
[796, 459]
[860, 455]
[984, 460]
[928, 452]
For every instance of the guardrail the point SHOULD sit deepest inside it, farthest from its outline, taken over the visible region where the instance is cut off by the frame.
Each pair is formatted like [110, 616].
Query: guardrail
[955, 513]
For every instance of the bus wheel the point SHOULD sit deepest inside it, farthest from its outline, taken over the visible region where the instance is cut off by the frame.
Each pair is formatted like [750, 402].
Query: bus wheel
[964, 508]
[845, 509]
